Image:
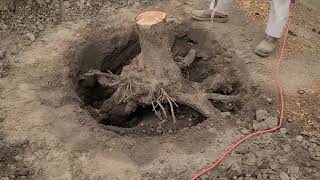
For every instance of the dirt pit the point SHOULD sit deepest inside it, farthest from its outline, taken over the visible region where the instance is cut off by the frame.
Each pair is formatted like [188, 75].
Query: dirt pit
[110, 53]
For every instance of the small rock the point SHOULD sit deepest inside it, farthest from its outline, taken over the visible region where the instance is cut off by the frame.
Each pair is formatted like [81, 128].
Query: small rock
[244, 131]
[283, 176]
[294, 170]
[286, 148]
[261, 115]
[41, 27]
[235, 170]
[299, 138]
[198, 128]
[283, 131]
[229, 54]
[301, 91]
[31, 37]
[226, 114]
[212, 130]
[269, 123]
[66, 4]
[290, 120]
[308, 164]
[4, 178]
[18, 158]
[269, 100]
[202, 150]
[3, 26]
[2, 54]
[14, 50]
[274, 166]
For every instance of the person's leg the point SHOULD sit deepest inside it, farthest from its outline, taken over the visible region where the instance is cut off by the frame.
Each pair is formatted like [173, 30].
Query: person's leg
[278, 18]
[221, 8]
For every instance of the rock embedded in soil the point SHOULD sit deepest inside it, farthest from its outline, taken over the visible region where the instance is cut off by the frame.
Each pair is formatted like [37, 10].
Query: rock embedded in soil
[284, 176]
[41, 27]
[261, 115]
[31, 36]
[235, 170]
[269, 123]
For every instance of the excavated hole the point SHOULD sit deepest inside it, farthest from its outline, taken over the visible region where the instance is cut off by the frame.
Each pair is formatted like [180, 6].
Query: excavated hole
[116, 51]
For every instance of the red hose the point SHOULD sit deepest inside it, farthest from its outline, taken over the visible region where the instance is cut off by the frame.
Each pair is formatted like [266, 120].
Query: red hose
[278, 64]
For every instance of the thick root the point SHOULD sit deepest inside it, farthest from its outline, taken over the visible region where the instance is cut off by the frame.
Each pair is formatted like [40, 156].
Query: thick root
[190, 57]
[201, 102]
[107, 80]
[198, 102]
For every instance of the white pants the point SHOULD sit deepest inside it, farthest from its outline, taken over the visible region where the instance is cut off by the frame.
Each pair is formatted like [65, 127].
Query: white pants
[278, 16]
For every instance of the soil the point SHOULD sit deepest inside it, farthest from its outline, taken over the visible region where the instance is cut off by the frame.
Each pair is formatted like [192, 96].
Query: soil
[48, 128]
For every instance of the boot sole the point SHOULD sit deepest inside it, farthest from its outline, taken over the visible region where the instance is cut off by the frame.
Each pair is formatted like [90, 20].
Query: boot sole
[261, 54]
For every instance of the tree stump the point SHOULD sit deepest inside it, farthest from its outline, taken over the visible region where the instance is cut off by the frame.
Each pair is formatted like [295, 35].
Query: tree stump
[153, 78]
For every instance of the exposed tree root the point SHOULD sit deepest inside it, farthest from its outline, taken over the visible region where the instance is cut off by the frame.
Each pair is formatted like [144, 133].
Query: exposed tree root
[153, 78]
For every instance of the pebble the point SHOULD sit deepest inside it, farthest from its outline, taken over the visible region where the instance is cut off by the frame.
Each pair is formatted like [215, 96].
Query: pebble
[244, 131]
[294, 170]
[3, 26]
[287, 148]
[290, 120]
[212, 130]
[299, 138]
[283, 176]
[66, 4]
[283, 131]
[31, 37]
[235, 170]
[226, 114]
[261, 115]
[269, 100]
[18, 158]
[301, 91]
[14, 50]
[41, 27]
[274, 166]
[269, 123]
[2, 54]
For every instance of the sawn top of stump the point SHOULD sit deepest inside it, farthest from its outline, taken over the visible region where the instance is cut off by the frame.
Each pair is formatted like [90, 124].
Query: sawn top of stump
[150, 18]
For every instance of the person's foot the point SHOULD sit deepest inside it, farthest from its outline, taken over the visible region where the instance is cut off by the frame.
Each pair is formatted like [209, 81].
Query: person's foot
[266, 46]
[205, 15]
